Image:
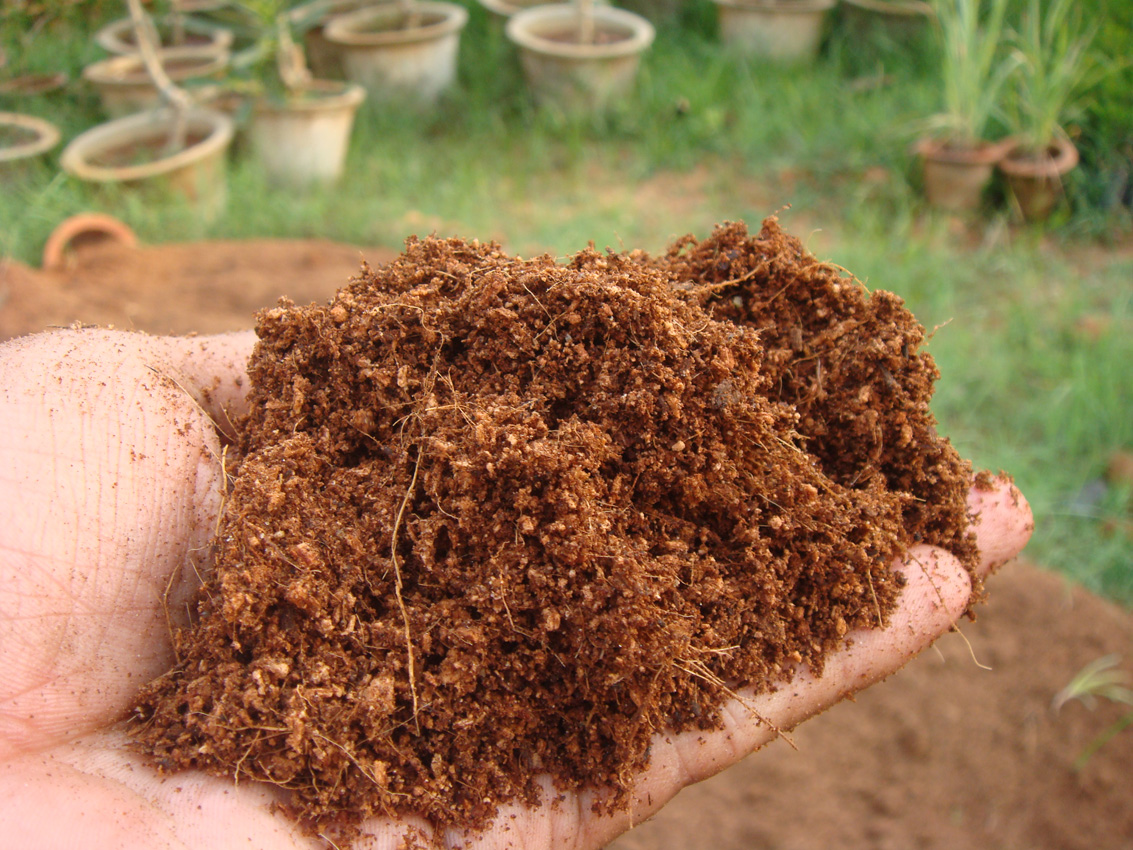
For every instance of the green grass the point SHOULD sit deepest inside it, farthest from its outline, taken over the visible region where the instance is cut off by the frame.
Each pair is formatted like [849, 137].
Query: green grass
[713, 137]
[1034, 359]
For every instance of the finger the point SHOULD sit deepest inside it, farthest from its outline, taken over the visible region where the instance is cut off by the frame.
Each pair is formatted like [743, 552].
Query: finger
[1002, 521]
[937, 593]
[110, 485]
[213, 369]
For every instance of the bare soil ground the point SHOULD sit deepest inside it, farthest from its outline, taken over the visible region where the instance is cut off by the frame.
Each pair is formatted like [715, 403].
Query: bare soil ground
[946, 754]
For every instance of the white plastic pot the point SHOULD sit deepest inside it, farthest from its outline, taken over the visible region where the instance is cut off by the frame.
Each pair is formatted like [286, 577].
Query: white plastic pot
[130, 151]
[323, 57]
[29, 137]
[124, 85]
[303, 141]
[117, 37]
[507, 8]
[410, 64]
[782, 30]
[571, 75]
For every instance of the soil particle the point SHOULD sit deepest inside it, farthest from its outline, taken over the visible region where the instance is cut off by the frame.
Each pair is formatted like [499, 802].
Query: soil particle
[496, 517]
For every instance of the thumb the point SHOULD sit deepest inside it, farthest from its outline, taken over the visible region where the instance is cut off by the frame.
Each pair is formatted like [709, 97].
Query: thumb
[110, 485]
[212, 369]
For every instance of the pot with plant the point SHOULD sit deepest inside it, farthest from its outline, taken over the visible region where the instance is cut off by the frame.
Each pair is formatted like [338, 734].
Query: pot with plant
[177, 28]
[299, 127]
[781, 30]
[580, 56]
[1054, 68]
[890, 21]
[958, 157]
[175, 149]
[403, 51]
[125, 85]
[323, 57]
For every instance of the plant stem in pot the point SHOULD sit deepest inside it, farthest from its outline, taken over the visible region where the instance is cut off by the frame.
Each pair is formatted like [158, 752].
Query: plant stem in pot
[177, 98]
[412, 14]
[586, 33]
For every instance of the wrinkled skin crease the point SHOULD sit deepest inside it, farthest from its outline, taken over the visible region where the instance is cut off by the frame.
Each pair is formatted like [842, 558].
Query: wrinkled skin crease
[110, 486]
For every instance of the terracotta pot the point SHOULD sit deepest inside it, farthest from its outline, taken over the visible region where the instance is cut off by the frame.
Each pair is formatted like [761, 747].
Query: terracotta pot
[1035, 179]
[82, 228]
[413, 65]
[955, 177]
[124, 85]
[24, 138]
[573, 76]
[303, 141]
[130, 151]
[783, 30]
[117, 37]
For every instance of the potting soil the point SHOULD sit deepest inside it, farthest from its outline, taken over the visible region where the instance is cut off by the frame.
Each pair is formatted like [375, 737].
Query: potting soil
[495, 517]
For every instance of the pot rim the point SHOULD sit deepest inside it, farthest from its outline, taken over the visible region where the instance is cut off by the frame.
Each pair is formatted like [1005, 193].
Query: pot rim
[341, 29]
[110, 39]
[47, 136]
[329, 95]
[899, 8]
[507, 8]
[519, 30]
[102, 137]
[986, 153]
[32, 84]
[780, 6]
[1059, 157]
[119, 70]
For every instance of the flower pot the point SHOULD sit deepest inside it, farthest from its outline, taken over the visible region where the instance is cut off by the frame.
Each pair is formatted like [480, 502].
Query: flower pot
[130, 151]
[124, 85]
[955, 176]
[203, 6]
[118, 38]
[412, 64]
[1035, 179]
[83, 228]
[34, 85]
[303, 142]
[323, 57]
[23, 138]
[893, 21]
[782, 30]
[507, 8]
[564, 72]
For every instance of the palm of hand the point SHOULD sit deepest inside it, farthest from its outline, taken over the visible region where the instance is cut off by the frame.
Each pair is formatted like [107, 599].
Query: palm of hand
[110, 488]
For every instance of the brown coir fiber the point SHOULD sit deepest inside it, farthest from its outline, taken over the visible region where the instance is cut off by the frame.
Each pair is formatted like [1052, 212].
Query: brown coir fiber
[498, 517]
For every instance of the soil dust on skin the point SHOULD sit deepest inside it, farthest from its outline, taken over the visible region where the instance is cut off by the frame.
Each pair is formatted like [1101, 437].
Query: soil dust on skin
[945, 755]
[496, 517]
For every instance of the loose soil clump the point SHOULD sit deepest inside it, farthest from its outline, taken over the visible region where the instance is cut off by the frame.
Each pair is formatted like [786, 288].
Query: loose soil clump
[497, 517]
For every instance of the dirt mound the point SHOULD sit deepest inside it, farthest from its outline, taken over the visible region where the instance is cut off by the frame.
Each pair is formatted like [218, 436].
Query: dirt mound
[497, 517]
[209, 287]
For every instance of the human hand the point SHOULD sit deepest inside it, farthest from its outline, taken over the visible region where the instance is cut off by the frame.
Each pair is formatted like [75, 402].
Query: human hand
[111, 479]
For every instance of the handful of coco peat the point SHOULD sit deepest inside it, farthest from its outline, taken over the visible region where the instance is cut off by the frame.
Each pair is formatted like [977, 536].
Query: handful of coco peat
[497, 517]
